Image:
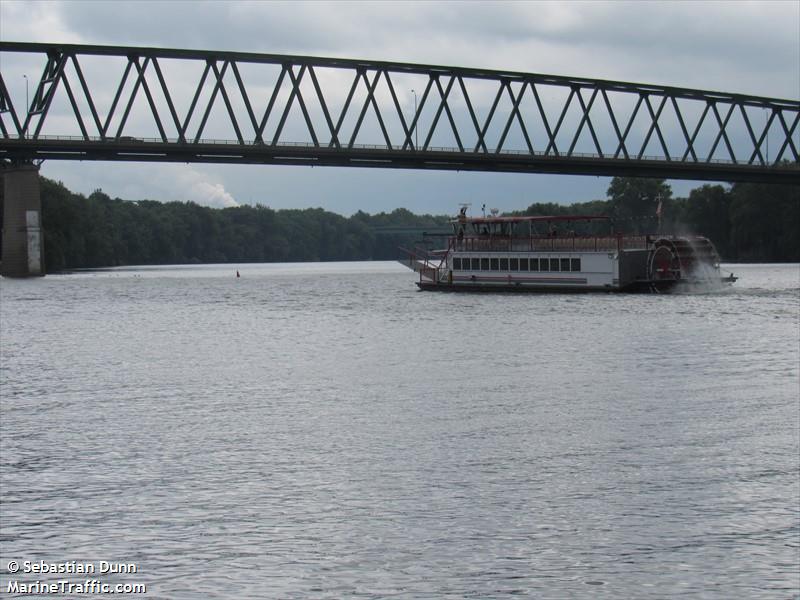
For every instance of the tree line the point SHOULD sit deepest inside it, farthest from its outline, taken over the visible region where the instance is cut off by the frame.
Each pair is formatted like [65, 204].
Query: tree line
[747, 222]
[100, 231]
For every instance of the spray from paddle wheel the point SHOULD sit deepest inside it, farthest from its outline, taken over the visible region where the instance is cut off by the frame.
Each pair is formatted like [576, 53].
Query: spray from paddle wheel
[688, 262]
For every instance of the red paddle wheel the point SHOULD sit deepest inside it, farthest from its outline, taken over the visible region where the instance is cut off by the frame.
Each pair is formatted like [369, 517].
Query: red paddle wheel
[682, 259]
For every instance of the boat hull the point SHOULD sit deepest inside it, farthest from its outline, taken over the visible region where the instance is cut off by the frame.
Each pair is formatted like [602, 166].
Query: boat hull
[513, 289]
[653, 286]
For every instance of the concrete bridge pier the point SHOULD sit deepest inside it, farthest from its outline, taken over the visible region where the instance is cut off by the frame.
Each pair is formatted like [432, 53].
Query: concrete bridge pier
[23, 244]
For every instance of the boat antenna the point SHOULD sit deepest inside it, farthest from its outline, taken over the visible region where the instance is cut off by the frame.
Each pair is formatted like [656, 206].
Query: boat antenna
[483, 208]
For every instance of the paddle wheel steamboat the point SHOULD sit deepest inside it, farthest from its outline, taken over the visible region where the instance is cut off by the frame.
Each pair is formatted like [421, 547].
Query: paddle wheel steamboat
[544, 254]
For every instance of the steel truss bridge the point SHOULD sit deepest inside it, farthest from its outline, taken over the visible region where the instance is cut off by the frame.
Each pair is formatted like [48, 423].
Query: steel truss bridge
[149, 104]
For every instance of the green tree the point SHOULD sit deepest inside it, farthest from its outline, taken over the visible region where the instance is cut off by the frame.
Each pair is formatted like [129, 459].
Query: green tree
[707, 212]
[634, 201]
[765, 222]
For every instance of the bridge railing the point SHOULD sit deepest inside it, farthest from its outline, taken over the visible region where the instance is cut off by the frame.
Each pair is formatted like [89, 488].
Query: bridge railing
[399, 148]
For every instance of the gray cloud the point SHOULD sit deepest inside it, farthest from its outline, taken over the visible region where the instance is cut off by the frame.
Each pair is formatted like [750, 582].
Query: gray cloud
[747, 42]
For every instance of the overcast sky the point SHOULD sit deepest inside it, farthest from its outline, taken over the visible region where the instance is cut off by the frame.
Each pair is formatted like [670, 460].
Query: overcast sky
[737, 46]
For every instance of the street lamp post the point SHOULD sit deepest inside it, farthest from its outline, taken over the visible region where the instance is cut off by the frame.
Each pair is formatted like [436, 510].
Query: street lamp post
[416, 123]
[27, 105]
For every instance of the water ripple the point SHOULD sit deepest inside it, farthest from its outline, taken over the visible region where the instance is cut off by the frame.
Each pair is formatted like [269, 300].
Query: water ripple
[326, 431]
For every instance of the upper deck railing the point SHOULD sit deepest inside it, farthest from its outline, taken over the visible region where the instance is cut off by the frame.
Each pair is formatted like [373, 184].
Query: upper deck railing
[570, 243]
[153, 104]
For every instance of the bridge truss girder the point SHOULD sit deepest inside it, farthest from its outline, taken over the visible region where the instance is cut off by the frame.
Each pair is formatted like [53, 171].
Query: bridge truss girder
[516, 127]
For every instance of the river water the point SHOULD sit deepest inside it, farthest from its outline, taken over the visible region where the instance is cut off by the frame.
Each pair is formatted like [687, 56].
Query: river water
[327, 431]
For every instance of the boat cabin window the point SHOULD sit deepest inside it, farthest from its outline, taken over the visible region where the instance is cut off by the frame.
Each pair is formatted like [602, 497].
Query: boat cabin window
[517, 264]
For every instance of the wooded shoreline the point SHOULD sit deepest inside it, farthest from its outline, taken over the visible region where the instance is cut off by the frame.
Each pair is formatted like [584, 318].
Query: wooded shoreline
[746, 222]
